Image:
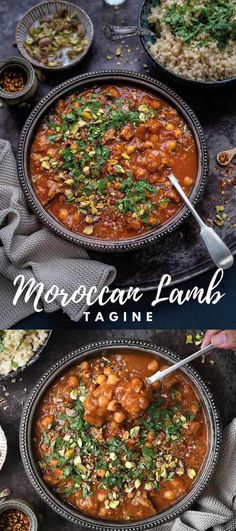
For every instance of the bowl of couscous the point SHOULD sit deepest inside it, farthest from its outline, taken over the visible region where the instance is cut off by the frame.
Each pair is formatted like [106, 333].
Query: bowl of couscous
[192, 42]
[19, 349]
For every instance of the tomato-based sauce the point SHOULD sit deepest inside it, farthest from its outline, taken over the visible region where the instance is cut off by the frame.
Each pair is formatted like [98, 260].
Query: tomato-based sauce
[113, 446]
[99, 162]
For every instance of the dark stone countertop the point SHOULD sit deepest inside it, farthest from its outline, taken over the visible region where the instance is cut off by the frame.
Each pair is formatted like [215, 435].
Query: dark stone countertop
[221, 378]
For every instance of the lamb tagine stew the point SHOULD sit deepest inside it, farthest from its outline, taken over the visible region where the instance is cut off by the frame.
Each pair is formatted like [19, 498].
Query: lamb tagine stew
[114, 447]
[99, 162]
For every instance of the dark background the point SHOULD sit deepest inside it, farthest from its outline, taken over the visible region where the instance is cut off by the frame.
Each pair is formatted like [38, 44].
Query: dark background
[221, 378]
[212, 108]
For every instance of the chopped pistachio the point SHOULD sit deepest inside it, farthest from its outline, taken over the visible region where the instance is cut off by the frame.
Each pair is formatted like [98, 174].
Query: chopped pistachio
[88, 231]
[148, 486]
[113, 504]
[191, 473]
[129, 464]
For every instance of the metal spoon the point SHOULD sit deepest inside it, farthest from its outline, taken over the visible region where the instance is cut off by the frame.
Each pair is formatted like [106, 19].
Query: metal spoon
[161, 374]
[225, 157]
[117, 33]
[218, 251]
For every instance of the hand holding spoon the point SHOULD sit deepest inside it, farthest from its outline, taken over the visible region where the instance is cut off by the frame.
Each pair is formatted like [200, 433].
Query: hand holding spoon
[161, 374]
[218, 251]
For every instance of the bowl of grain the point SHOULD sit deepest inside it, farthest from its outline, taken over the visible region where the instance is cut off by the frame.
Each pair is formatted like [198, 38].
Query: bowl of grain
[193, 42]
[19, 349]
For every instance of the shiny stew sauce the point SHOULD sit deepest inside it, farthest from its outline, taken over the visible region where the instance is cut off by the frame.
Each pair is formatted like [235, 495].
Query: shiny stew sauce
[99, 162]
[114, 447]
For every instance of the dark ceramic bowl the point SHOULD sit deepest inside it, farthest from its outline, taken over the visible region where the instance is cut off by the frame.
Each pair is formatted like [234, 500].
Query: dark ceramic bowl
[14, 374]
[44, 10]
[66, 510]
[78, 84]
[21, 505]
[147, 40]
[21, 66]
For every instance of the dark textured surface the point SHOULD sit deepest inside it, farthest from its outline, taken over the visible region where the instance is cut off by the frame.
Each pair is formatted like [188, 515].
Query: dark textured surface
[221, 378]
[181, 254]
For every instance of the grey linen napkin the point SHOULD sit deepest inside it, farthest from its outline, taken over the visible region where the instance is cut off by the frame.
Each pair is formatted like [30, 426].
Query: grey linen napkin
[27, 247]
[216, 509]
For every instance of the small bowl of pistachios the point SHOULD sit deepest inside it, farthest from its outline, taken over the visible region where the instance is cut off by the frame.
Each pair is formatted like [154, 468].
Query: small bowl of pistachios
[54, 35]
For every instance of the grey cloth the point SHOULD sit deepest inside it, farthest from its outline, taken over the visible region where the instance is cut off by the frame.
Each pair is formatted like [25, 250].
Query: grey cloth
[27, 247]
[216, 509]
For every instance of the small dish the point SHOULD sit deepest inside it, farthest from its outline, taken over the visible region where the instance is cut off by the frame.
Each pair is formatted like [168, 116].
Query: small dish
[23, 507]
[47, 9]
[22, 68]
[3, 448]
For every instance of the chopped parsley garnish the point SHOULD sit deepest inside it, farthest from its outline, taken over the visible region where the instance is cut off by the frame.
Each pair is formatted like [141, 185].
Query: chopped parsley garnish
[201, 23]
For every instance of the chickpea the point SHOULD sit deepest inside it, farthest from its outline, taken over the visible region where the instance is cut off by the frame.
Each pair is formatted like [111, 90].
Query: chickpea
[152, 220]
[140, 172]
[117, 185]
[154, 139]
[170, 127]
[169, 495]
[153, 166]
[119, 417]
[126, 132]
[103, 401]
[194, 408]
[72, 381]
[172, 145]
[46, 421]
[148, 444]
[188, 181]
[100, 379]
[102, 495]
[151, 436]
[113, 405]
[63, 213]
[136, 384]
[178, 133]
[101, 472]
[153, 179]
[149, 144]
[112, 379]
[155, 104]
[84, 365]
[107, 370]
[153, 365]
[130, 150]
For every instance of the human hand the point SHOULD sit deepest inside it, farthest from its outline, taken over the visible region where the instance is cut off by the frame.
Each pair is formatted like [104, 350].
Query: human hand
[225, 339]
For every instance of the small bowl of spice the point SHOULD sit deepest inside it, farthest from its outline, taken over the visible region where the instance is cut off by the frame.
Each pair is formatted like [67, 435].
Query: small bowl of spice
[16, 514]
[18, 81]
[54, 35]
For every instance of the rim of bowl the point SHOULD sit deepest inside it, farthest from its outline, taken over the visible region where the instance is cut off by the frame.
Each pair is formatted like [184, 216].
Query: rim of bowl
[22, 30]
[14, 374]
[79, 83]
[67, 511]
[170, 73]
[24, 64]
[21, 505]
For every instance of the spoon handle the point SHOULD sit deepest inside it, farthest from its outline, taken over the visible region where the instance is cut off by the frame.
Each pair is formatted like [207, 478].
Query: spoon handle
[116, 33]
[160, 374]
[218, 251]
